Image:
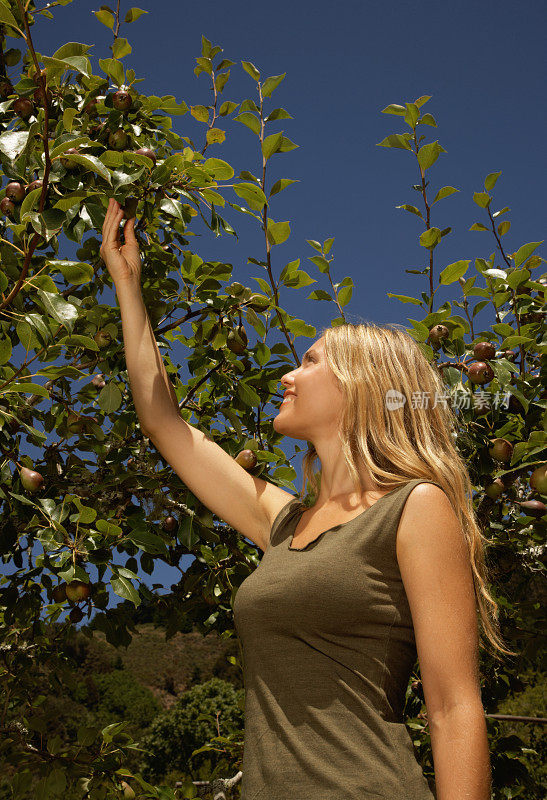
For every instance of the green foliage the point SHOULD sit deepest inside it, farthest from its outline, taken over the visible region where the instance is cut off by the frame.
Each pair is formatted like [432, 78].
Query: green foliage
[199, 716]
[118, 695]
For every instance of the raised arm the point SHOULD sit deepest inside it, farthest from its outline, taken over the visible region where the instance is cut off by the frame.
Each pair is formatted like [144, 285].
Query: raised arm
[247, 503]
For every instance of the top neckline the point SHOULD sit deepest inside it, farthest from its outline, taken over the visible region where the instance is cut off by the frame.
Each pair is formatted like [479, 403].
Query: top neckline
[341, 524]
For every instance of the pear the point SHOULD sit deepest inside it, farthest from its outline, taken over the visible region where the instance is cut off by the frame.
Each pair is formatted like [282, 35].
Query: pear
[484, 351]
[501, 450]
[31, 480]
[538, 479]
[480, 372]
[15, 191]
[246, 458]
[122, 100]
[23, 107]
[77, 590]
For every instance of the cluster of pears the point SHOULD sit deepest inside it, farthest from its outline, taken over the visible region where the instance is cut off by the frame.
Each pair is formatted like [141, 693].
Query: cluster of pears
[16, 193]
[25, 107]
[75, 591]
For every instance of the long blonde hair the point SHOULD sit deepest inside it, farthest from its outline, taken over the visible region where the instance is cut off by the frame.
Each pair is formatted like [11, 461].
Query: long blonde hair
[413, 441]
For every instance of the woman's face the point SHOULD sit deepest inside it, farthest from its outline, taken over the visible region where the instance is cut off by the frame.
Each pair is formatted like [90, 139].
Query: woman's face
[313, 412]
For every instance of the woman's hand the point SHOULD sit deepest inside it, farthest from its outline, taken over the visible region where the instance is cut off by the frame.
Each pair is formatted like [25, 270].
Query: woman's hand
[122, 261]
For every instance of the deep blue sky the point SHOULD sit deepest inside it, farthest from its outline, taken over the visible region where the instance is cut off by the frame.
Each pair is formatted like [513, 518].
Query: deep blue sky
[483, 64]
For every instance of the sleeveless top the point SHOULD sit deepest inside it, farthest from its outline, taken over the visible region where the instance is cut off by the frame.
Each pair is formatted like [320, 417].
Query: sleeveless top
[328, 649]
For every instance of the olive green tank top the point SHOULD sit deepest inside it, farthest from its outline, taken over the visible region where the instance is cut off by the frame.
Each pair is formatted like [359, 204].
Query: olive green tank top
[328, 649]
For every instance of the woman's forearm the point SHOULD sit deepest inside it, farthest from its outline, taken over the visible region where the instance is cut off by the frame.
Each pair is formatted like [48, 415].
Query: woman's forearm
[461, 755]
[152, 391]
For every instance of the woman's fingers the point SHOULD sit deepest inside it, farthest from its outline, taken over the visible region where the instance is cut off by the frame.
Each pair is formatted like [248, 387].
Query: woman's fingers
[107, 224]
[129, 231]
[111, 221]
[112, 224]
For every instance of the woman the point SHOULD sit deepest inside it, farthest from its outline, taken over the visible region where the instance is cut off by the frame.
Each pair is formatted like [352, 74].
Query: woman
[386, 565]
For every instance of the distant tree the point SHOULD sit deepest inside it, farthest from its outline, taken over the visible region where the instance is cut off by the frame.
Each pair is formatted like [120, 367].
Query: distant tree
[199, 715]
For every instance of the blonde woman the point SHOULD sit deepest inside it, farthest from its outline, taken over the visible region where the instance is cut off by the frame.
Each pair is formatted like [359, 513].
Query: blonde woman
[387, 564]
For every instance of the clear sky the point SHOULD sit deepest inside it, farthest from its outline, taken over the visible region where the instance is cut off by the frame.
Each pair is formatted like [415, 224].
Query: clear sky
[483, 64]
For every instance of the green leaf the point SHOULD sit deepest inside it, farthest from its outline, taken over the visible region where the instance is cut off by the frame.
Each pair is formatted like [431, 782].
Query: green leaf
[77, 340]
[428, 119]
[5, 349]
[147, 541]
[524, 252]
[327, 244]
[250, 120]
[446, 191]
[66, 145]
[221, 79]
[315, 245]
[109, 398]
[121, 48]
[91, 163]
[281, 184]
[404, 299]
[278, 232]
[344, 295]
[251, 70]
[76, 272]
[106, 17]
[482, 199]
[60, 309]
[114, 69]
[271, 144]
[124, 588]
[68, 118]
[249, 105]
[286, 145]
[215, 136]
[29, 202]
[321, 263]
[453, 272]
[253, 194]
[503, 227]
[206, 64]
[319, 294]
[271, 83]
[490, 180]
[412, 209]
[227, 107]
[412, 114]
[7, 17]
[133, 14]
[277, 113]
[58, 66]
[394, 108]
[73, 199]
[201, 113]
[429, 153]
[26, 388]
[478, 226]
[396, 140]
[170, 105]
[13, 143]
[430, 238]
[218, 169]
[247, 394]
